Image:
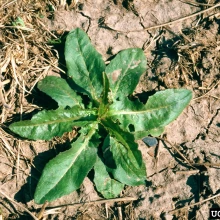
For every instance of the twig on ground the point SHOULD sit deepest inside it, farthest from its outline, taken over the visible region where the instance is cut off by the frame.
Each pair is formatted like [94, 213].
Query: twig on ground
[25, 45]
[125, 199]
[18, 162]
[19, 205]
[215, 97]
[41, 213]
[2, 98]
[17, 27]
[44, 26]
[44, 73]
[53, 65]
[7, 4]
[106, 210]
[207, 92]
[177, 151]
[119, 213]
[6, 144]
[187, 172]
[52, 211]
[207, 164]
[13, 64]
[196, 3]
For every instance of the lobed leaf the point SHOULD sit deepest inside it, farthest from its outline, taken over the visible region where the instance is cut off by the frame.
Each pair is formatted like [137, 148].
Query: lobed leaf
[58, 89]
[124, 72]
[66, 172]
[107, 186]
[122, 156]
[48, 124]
[85, 65]
[161, 109]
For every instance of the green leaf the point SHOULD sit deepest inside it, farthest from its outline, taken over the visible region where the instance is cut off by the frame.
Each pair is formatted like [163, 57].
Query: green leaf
[58, 89]
[85, 65]
[104, 98]
[66, 172]
[107, 186]
[122, 156]
[126, 169]
[104, 101]
[48, 124]
[124, 72]
[161, 109]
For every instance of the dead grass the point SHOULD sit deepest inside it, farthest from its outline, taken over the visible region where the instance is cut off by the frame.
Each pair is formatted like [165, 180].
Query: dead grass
[25, 58]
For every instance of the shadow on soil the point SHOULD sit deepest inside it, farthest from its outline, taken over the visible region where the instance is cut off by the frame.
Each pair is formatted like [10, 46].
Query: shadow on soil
[198, 184]
[26, 193]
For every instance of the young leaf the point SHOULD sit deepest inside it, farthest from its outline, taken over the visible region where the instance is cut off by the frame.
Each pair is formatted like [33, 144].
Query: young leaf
[122, 156]
[58, 89]
[124, 72]
[107, 186]
[85, 65]
[66, 172]
[48, 124]
[104, 98]
[161, 109]
[104, 101]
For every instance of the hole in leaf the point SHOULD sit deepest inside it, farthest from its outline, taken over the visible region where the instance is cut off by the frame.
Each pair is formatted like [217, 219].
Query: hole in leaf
[85, 99]
[143, 97]
[131, 128]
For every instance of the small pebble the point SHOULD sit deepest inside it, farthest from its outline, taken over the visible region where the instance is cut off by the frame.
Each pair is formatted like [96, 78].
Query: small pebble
[150, 141]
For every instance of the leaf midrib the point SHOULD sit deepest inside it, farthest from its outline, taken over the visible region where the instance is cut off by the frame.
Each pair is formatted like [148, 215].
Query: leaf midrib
[130, 112]
[57, 121]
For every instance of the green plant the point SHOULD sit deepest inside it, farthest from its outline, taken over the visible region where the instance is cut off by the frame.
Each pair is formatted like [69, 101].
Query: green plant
[110, 121]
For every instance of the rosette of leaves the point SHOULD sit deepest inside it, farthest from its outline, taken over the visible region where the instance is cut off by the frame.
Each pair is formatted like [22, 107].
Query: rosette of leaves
[109, 121]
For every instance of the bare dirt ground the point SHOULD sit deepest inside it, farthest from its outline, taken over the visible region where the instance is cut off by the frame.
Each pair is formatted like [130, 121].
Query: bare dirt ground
[182, 49]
